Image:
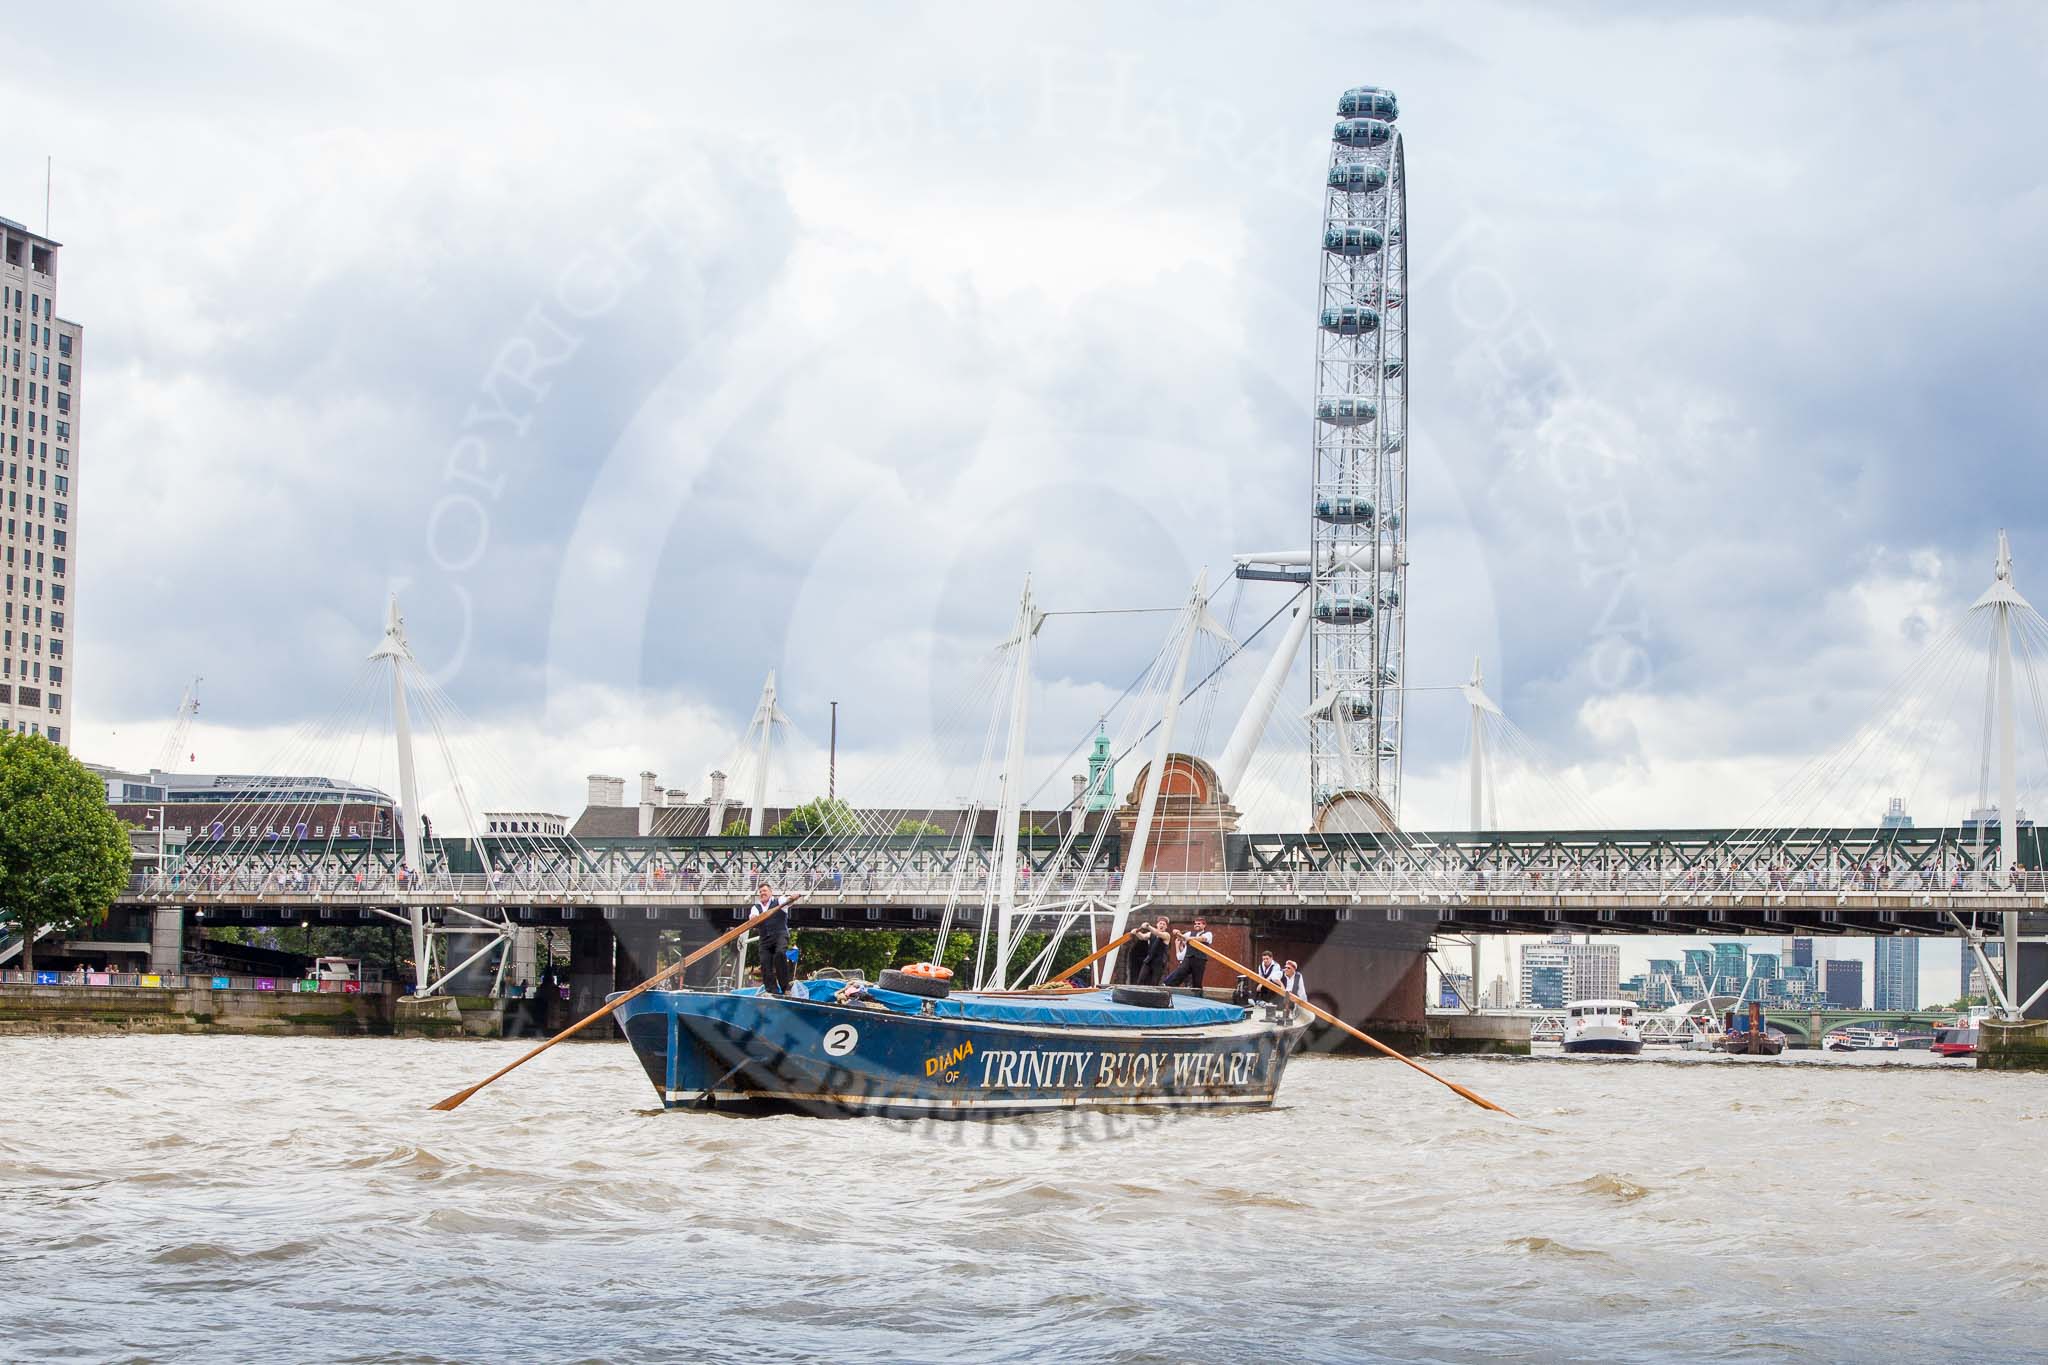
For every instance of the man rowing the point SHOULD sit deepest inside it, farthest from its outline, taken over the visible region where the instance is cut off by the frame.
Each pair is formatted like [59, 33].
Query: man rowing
[775, 968]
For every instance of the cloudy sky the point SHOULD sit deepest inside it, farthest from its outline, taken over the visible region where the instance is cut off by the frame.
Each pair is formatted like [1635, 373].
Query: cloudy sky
[643, 353]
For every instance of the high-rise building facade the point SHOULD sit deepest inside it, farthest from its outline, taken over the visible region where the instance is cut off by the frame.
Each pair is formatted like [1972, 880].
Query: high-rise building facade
[1731, 968]
[1546, 977]
[1454, 991]
[1698, 970]
[1895, 982]
[1559, 971]
[1973, 982]
[1844, 983]
[41, 361]
[1596, 970]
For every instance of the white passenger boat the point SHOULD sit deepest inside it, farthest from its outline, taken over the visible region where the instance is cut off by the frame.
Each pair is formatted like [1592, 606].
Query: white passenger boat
[1602, 1026]
[1861, 1040]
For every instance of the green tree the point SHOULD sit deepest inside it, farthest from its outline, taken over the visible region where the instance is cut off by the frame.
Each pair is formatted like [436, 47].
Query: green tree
[63, 854]
[826, 815]
[374, 945]
[917, 947]
[866, 951]
[918, 828]
[738, 827]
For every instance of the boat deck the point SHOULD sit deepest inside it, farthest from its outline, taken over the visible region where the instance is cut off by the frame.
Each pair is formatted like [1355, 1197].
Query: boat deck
[1055, 1009]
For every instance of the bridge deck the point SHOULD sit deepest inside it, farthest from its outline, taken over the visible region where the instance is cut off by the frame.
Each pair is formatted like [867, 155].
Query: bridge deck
[1453, 908]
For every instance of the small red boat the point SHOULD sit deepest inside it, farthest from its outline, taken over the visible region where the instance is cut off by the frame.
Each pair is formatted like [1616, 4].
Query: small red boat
[1960, 1041]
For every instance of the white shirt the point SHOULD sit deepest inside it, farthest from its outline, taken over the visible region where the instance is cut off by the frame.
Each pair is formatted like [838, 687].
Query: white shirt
[1180, 950]
[1296, 985]
[1272, 971]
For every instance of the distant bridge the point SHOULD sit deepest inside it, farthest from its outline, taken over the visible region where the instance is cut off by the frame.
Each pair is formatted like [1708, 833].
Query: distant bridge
[1805, 1027]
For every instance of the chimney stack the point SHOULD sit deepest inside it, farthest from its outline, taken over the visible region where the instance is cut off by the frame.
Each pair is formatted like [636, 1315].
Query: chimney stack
[714, 806]
[650, 792]
[607, 791]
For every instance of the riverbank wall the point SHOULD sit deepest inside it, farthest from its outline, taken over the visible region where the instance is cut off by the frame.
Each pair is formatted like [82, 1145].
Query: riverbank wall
[193, 1010]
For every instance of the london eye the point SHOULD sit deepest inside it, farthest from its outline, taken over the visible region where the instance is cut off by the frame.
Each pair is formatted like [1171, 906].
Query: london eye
[1358, 561]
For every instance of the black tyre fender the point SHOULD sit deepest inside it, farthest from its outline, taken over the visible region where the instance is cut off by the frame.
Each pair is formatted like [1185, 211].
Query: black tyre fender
[906, 984]
[1149, 997]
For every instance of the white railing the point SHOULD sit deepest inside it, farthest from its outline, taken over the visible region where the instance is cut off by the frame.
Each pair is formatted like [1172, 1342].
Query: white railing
[264, 881]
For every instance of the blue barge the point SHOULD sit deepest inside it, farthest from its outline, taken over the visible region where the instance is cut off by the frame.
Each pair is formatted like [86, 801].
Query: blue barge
[841, 1049]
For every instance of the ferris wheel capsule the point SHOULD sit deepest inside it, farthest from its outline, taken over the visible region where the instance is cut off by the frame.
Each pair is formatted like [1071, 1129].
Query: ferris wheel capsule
[1343, 607]
[1369, 101]
[1358, 177]
[1362, 132]
[1343, 509]
[1350, 239]
[1350, 319]
[1344, 410]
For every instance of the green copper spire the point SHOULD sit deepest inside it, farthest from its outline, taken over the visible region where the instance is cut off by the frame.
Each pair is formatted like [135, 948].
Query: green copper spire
[1101, 774]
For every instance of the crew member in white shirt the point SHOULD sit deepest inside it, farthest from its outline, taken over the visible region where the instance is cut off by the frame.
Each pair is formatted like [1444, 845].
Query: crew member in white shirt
[1189, 965]
[1294, 983]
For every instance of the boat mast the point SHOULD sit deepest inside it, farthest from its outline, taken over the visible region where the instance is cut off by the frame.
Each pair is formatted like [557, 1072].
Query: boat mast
[1193, 621]
[1029, 619]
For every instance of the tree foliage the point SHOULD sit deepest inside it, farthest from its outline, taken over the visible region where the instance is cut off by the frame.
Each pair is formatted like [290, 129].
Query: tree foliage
[825, 815]
[380, 945]
[63, 854]
[918, 828]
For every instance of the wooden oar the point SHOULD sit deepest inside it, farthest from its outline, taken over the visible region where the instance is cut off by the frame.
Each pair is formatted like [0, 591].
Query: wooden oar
[1089, 960]
[649, 984]
[1359, 1034]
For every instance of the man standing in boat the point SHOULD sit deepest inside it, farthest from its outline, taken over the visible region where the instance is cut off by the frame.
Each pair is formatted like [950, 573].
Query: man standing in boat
[774, 931]
[1192, 965]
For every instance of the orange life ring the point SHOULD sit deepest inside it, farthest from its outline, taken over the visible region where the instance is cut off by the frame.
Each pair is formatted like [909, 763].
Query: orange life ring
[930, 971]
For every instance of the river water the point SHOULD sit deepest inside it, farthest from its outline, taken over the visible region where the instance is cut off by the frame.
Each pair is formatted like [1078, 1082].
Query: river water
[169, 1198]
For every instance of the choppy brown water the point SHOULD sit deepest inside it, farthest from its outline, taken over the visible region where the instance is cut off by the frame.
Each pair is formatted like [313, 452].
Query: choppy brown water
[227, 1199]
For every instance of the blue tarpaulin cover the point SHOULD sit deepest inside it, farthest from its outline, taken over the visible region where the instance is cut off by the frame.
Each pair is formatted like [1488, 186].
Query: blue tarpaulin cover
[1073, 1009]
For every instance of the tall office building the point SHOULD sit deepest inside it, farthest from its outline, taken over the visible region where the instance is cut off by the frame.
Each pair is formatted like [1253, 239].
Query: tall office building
[1973, 982]
[1559, 971]
[1895, 982]
[1798, 952]
[41, 359]
[1596, 970]
[1844, 983]
[1546, 977]
[1731, 968]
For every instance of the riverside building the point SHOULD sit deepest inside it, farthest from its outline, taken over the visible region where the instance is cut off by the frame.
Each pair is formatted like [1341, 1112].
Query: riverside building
[41, 359]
